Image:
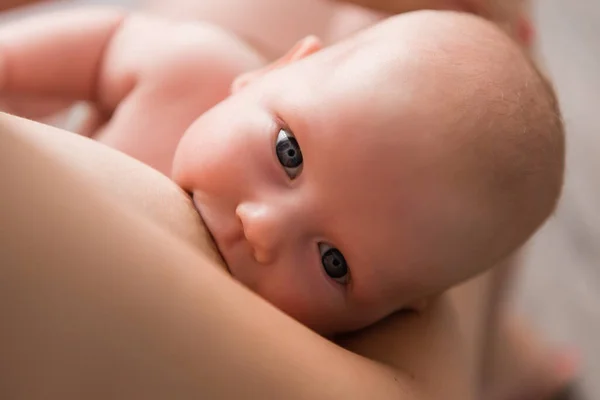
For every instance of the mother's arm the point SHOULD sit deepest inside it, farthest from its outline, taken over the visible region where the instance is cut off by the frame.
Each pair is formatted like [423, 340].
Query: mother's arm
[102, 294]
[496, 10]
[510, 15]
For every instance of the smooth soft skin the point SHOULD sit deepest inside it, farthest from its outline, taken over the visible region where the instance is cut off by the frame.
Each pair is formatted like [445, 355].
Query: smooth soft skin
[104, 295]
[273, 26]
[145, 78]
[383, 154]
[396, 141]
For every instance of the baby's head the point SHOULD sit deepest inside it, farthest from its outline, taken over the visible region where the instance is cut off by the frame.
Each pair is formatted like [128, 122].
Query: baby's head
[351, 183]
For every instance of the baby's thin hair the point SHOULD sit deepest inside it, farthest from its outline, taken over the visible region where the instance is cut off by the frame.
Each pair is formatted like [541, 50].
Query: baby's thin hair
[556, 136]
[530, 141]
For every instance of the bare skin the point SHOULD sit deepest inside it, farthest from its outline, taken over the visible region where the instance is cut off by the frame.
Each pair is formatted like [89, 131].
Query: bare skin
[155, 79]
[121, 66]
[119, 142]
[498, 11]
[248, 200]
[274, 27]
[270, 25]
[131, 210]
[157, 318]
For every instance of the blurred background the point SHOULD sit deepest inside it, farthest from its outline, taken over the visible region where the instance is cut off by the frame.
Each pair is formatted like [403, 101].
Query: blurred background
[559, 289]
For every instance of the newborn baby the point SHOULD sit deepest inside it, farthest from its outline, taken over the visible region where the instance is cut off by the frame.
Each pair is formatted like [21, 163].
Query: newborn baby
[341, 184]
[379, 171]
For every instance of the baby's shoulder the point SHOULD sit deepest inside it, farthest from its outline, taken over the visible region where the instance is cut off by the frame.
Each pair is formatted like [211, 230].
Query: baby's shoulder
[169, 51]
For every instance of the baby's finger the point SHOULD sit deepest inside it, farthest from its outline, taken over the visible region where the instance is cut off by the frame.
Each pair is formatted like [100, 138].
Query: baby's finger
[56, 55]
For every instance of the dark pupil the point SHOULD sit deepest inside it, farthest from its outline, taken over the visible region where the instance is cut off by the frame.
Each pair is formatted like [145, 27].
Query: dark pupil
[334, 263]
[288, 153]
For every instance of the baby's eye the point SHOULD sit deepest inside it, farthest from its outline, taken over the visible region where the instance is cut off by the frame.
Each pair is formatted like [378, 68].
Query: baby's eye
[289, 153]
[334, 263]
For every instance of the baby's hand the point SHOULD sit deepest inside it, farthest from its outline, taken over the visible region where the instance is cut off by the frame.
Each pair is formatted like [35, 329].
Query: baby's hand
[147, 79]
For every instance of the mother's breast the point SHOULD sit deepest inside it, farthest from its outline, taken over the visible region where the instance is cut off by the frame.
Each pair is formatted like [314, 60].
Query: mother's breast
[122, 179]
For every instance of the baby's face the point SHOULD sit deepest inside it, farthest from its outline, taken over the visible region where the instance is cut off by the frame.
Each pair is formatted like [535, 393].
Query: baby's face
[301, 203]
[327, 184]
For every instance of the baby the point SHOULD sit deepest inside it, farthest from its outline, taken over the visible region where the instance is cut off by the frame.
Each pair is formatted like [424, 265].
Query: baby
[340, 184]
[345, 189]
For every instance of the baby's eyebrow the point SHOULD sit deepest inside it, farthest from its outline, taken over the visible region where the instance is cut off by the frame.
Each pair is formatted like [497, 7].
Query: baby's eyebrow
[298, 122]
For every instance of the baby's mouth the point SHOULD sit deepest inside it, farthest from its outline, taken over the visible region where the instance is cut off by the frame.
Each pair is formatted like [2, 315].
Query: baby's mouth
[213, 240]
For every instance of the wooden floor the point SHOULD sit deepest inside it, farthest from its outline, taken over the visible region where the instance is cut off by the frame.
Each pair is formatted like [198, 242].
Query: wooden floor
[560, 287]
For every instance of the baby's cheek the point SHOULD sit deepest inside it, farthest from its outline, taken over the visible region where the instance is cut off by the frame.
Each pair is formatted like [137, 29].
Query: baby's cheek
[201, 161]
[183, 166]
[308, 298]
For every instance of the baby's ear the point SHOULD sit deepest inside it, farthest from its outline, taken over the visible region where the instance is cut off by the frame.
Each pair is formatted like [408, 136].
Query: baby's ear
[525, 32]
[302, 49]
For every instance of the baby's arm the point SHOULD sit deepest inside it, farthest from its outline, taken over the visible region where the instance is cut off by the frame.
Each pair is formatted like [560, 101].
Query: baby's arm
[148, 78]
[57, 55]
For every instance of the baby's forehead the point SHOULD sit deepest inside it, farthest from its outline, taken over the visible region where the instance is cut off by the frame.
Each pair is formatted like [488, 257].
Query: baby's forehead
[400, 76]
[367, 98]
[374, 77]
[423, 43]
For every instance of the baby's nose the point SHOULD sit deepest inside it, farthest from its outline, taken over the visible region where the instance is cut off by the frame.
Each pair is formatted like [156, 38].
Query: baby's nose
[265, 230]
